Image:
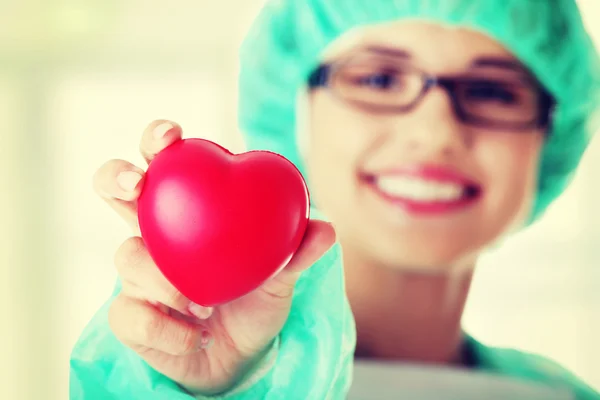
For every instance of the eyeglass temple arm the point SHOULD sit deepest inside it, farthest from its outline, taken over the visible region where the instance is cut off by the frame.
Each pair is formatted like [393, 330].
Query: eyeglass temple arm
[319, 77]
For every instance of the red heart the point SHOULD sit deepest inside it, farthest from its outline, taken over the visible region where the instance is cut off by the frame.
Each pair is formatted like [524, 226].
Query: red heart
[218, 225]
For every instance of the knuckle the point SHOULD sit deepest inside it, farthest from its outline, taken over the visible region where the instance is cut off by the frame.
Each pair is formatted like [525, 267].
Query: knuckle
[282, 293]
[188, 342]
[278, 289]
[151, 328]
[115, 312]
[103, 175]
[129, 255]
[176, 299]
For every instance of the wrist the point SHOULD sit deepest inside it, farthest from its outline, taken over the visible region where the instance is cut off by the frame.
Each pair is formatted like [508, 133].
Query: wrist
[257, 368]
[252, 372]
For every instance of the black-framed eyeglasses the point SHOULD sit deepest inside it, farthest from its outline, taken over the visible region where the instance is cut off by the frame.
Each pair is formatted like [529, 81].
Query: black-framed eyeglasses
[378, 85]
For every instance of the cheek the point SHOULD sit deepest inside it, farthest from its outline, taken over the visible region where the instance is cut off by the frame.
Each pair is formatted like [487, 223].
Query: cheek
[338, 127]
[510, 168]
[338, 139]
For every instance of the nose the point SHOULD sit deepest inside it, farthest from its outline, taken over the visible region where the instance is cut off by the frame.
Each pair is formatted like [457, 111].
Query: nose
[433, 127]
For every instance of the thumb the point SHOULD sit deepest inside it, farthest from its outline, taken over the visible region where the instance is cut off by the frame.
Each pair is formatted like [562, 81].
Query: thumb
[318, 238]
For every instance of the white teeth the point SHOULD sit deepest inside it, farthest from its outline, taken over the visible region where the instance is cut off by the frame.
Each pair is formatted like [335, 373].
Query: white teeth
[419, 189]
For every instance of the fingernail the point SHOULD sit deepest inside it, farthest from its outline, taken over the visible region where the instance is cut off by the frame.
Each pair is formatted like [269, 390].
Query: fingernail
[128, 180]
[199, 311]
[161, 130]
[206, 340]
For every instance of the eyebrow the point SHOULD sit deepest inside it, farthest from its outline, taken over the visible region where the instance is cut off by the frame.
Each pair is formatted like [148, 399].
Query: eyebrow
[482, 62]
[501, 63]
[389, 51]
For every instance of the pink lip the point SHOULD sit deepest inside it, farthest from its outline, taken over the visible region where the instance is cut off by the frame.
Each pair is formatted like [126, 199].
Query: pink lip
[432, 173]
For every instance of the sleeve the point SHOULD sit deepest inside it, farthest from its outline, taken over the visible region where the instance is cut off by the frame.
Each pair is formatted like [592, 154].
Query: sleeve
[550, 371]
[533, 367]
[311, 358]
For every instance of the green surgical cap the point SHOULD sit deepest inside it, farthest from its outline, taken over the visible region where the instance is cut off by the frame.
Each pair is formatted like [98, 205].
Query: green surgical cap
[289, 36]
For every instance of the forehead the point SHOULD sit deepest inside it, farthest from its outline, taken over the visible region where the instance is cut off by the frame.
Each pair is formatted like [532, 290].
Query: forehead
[437, 47]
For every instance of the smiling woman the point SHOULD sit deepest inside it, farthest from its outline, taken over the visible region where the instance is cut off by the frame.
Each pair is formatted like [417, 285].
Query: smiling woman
[422, 111]
[429, 132]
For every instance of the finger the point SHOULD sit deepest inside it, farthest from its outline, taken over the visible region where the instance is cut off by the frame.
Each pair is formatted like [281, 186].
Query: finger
[119, 183]
[319, 237]
[157, 136]
[200, 314]
[135, 266]
[141, 327]
[129, 289]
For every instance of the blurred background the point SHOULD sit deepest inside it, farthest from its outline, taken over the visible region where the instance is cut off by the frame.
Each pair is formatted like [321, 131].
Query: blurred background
[80, 80]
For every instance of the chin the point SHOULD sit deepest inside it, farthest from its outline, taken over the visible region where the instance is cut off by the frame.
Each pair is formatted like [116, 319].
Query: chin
[433, 259]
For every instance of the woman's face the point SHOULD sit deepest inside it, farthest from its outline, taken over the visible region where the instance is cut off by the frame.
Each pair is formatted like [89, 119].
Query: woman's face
[418, 187]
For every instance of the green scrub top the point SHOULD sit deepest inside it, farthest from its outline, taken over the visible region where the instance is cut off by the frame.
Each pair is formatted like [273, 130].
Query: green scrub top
[101, 368]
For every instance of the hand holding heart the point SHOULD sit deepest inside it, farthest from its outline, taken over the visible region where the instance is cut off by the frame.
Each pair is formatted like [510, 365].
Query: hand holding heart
[206, 349]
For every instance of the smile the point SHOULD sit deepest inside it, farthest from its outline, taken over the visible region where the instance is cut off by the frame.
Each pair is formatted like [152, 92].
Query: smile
[425, 189]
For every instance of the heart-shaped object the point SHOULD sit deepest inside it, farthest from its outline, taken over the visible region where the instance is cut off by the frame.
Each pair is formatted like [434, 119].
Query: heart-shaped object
[217, 224]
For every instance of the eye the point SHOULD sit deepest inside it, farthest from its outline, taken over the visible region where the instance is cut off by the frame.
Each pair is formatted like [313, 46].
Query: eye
[379, 81]
[492, 91]
[373, 76]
